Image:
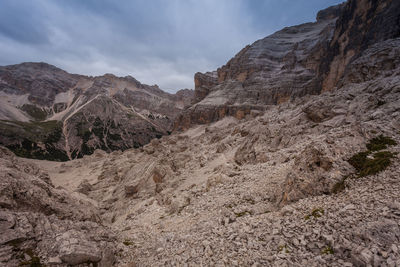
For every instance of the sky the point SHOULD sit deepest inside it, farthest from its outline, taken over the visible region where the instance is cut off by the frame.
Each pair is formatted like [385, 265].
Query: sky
[163, 42]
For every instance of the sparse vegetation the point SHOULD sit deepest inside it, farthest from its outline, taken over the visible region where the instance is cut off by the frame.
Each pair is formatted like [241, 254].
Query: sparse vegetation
[39, 114]
[33, 262]
[283, 248]
[241, 214]
[327, 250]
[379, 143]
[34, 130]
[127, 242]
[358, 160]
[379, 162]
[380, 103]
[26, 139]
[316, 213]
[368, 162]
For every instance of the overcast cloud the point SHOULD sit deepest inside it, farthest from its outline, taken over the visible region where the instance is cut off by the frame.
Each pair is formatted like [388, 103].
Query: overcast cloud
[160, 42]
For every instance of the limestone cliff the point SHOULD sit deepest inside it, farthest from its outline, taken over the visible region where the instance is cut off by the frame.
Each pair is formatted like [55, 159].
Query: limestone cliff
[296, 61]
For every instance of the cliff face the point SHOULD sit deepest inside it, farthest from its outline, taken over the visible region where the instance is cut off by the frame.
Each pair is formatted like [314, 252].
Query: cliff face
[50, 114]
[296, 61]
[36, 218]
[361, 24]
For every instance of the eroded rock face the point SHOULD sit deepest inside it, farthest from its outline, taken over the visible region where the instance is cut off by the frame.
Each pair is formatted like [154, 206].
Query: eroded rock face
[360, 25]
[40, 223]
[270, 71]
[202, 114]
[312, 175]
[380, 60]
[47, 113]
[296, 61]
[203, 82]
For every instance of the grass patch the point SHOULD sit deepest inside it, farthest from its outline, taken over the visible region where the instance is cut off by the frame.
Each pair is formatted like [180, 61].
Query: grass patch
[127, 243]
[327, 250]
[373, 160]
[358, 160]
[379, 143]
[379, 162]
[34, 130]
[316, 213]
[241, 214]
[365, 164]
[35, 112]
[283, 248]
[33, 262]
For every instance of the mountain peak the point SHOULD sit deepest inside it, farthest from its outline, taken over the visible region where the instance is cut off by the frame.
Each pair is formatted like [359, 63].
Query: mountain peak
[330, 12]
[33, 66]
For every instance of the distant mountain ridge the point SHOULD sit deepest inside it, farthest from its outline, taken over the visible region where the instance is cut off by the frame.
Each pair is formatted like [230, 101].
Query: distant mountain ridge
[301, 60]
[48, 113]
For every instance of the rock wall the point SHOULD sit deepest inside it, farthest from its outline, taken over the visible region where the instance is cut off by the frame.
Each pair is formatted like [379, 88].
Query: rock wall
[301, 60]
[361, 24]
[38, 221]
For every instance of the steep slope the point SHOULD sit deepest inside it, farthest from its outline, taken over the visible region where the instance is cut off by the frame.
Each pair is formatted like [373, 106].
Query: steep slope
[280, 188]
[36, 219]
[50, 114]
[296, 61]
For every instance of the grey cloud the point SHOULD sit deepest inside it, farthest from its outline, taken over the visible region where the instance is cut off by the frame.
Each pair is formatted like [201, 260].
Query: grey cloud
[160, 42]
[24, 25]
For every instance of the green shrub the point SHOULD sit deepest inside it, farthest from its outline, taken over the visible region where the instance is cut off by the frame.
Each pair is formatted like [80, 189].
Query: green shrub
[241, 214]
[127, 242]
[367, 163]
[358, 160]
[327, 250]
[379, 162]
[33, 262]
[316, 213]
[381, 142]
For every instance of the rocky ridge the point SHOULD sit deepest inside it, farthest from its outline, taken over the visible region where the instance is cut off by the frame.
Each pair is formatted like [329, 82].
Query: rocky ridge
[37, 219]
[296, 61]
[48, 113]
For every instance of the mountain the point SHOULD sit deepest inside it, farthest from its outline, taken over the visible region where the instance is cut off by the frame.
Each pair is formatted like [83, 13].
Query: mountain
[310, 182]
[313, 180]
[301, 60]
[48, 113]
